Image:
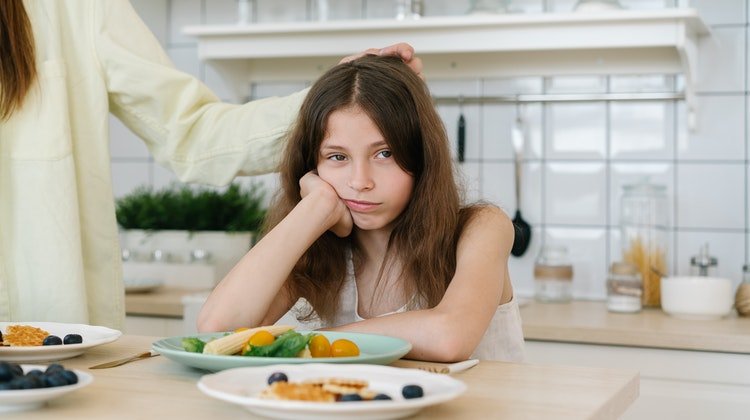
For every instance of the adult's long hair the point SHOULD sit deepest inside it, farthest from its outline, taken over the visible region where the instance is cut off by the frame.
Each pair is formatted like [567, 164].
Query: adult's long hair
[17, 65]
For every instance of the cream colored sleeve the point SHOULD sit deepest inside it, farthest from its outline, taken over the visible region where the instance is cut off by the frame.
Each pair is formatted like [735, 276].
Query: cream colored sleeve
[183, 123]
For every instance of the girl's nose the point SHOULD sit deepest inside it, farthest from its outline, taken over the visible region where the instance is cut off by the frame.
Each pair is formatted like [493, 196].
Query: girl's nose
[361, 179]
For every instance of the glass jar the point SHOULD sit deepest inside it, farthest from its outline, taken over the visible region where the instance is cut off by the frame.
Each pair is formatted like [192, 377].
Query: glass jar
[596, 5]
[742, 298]
[488, 6]
[553, 275]
[409, 9]
[624, 288]
[644, 223]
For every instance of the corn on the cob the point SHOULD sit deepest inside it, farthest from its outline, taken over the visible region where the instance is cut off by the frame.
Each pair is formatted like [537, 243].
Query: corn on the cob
[233, 343]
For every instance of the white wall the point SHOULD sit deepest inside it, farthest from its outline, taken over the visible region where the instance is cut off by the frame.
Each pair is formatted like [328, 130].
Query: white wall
[580, 154]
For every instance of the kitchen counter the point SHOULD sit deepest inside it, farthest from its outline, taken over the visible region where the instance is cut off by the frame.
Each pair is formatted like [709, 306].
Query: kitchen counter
[575, 322]
[591, 323]
[162, 302]
[159, 388]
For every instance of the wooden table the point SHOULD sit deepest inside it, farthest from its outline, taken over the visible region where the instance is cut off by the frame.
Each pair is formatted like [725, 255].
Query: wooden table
[159, 388]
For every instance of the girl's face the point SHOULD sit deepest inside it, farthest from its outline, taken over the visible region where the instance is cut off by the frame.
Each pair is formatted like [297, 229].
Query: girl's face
[356, 160]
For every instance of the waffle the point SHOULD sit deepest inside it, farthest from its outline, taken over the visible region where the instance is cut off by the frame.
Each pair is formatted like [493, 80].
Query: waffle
[338, 382]
[24, 335]
[317, 390]
[299, 392]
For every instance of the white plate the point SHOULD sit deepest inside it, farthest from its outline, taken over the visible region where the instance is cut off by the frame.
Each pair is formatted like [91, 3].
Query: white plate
[243, 385]
[27, 399]
[92, 336]
[142, 285]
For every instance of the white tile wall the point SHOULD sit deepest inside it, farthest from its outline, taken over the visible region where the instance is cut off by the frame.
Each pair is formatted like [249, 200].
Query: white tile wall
[576, 131]
[575, 193]
[577, 156]
[712, 140]
[642, 130]
[730, 12]
[706, 197]
[721, 67]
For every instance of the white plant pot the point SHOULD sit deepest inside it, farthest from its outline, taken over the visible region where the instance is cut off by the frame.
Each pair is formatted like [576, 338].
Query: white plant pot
[178, 247]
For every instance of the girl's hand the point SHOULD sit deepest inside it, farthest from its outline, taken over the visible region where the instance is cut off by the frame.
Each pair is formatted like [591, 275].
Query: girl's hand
[401, 50]
[341, 219]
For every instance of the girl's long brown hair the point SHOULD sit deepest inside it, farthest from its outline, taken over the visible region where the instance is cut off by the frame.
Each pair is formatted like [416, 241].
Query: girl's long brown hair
[425, 234]
[17, 65]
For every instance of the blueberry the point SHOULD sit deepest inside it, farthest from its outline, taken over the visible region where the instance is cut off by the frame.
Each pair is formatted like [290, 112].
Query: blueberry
[52, 340]
[4, 386]
[350, 397]
[36, 372]
[382, 397]
[28, 382]
[277, 376]
[16, 382]
[55, 367]
[6, 372]
[16, 369]
[412, 391]
[55, 379]
[69, 376]
[72, 339]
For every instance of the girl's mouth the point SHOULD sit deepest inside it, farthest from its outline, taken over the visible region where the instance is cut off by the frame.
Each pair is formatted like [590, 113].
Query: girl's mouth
[360, 206]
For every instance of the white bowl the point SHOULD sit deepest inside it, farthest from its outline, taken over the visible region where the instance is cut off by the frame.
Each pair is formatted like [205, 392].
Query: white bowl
[696, 297]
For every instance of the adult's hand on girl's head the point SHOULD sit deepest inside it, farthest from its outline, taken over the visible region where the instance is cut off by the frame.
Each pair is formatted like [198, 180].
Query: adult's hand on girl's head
[401, 50]
[341, 217]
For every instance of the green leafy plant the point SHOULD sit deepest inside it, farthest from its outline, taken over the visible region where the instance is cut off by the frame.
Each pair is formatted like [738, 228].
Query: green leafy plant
[194, 209]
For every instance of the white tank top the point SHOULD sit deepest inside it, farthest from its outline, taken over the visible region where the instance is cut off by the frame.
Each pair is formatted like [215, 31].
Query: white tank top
[503, 339]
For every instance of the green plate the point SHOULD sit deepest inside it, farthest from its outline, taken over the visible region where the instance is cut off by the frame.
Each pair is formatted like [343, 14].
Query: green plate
[373, 349]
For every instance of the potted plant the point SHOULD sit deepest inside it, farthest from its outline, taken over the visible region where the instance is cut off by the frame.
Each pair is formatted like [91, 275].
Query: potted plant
[182, 224]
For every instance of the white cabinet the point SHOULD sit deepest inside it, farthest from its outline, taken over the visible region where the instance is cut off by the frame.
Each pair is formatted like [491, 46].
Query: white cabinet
[675, 384]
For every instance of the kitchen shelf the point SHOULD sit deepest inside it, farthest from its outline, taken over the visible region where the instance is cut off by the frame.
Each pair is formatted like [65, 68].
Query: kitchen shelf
[469, 46]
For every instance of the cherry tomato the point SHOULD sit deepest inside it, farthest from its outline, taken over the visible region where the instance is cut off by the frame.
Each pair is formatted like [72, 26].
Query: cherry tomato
[344, 348]
[261, 338]
[320, 346]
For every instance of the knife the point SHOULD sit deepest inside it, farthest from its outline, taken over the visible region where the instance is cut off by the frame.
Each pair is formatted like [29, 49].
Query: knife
[119, 362]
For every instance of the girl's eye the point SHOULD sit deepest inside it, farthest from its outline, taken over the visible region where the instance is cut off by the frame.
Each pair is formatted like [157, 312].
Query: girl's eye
[337, 158]
[385, 153]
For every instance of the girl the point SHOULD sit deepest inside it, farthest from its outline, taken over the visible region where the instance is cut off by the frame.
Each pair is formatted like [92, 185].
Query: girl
[369, 230]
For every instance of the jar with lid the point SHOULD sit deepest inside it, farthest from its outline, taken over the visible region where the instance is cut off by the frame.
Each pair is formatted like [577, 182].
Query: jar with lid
[553, 275]
[624, 288]
[644, 224]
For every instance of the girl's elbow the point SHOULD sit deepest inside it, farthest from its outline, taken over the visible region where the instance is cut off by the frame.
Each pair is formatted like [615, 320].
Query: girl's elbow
[453, 350]
[451, 347]
[207, 323]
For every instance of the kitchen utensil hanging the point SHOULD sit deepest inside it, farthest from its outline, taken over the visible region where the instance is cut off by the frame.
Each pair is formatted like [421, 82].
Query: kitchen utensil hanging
[461, 130]
[523, 229]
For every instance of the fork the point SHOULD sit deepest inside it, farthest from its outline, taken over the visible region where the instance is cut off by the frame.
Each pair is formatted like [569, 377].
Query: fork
[444, 368]
[120, 362]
